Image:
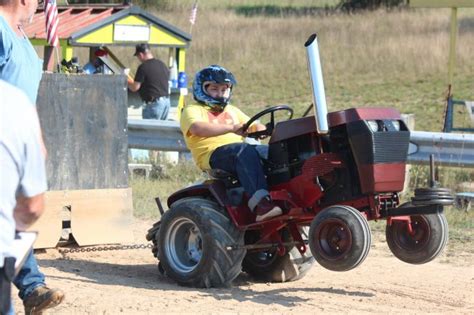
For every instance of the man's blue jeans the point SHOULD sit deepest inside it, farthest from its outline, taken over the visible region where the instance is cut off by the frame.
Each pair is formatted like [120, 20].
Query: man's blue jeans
[157, 110]
[29, 277]
[244, 161]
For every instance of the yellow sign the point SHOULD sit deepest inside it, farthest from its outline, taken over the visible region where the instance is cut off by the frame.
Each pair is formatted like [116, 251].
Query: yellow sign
[131, 33]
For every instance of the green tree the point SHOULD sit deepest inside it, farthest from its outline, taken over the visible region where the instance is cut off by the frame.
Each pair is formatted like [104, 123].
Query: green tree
[352, 5]
[162, 4]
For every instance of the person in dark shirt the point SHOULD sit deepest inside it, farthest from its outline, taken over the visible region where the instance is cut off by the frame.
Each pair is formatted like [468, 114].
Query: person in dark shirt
[151, 82]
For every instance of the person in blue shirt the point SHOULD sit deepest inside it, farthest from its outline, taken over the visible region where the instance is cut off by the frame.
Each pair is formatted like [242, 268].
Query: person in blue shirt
[23, 178]
[19, 63]
[21, 67]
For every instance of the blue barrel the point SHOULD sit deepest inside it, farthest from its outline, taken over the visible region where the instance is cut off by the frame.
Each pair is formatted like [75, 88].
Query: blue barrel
[182, 80]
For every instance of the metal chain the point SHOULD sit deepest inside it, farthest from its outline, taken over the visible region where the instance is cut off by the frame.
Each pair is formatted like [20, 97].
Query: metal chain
[104, 248]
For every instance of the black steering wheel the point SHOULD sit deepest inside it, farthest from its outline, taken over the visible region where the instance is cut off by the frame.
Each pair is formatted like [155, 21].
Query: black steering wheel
[269, 126]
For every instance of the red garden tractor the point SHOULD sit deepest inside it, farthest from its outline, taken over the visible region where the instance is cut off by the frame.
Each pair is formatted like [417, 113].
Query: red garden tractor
[330, 173]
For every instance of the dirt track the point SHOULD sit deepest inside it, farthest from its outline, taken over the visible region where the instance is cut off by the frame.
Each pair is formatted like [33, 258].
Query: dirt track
[128, 282]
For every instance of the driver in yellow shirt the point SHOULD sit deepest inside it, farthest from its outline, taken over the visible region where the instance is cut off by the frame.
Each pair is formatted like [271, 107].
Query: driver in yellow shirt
[213, 131]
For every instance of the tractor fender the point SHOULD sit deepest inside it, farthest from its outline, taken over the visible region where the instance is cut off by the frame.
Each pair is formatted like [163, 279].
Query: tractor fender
[210, 188]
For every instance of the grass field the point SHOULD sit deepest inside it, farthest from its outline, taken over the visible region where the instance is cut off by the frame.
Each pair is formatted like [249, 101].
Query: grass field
[393, 59]
[378, 58]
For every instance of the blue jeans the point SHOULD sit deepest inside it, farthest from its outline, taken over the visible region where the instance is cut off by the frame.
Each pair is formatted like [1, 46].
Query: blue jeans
[11, 311]
[244, 161]
[6, 272]
[157, 109]
[29, 277]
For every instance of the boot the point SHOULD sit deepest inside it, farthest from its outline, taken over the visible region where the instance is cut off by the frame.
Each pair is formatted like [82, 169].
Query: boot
[42, 298]
[266, 209]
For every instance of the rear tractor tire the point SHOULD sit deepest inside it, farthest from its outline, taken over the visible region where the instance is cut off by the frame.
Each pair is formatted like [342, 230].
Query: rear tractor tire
[425, 243]
[339, 238]
[192, 240]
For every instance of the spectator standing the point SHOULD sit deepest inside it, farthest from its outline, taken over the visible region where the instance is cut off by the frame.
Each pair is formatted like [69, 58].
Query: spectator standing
[23, 178]
[19, 63]
[151, 82]
[21, 67]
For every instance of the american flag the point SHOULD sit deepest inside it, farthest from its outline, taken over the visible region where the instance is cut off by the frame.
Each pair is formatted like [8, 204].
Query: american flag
[51, 12]
[192, 17]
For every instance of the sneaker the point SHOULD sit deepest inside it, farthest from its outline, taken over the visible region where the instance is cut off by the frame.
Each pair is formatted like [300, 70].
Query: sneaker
[42, 298]
[266, 209]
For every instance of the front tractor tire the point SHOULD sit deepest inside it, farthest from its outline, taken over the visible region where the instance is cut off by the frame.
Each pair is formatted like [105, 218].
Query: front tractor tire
[339, 238]
[426, 241]
[192, 244]
[268, 266]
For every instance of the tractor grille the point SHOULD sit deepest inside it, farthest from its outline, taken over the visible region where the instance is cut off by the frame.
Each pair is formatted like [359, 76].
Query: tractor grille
[390, 147]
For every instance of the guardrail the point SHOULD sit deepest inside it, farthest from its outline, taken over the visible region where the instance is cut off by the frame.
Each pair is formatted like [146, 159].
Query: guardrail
[449, 149]
[158, 135]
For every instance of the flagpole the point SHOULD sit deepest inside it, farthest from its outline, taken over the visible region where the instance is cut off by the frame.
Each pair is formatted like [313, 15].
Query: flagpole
[192, 18]
[52, 22]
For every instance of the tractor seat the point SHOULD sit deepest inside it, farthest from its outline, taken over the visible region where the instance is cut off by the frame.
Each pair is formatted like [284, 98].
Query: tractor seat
[229, 179]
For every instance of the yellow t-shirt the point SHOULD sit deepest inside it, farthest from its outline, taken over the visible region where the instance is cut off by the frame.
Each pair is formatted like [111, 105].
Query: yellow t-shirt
[202, 147]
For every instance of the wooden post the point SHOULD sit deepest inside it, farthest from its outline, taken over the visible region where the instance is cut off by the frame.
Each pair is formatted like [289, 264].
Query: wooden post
[452, 48]
[48, 62]
[66, 51]
[454, 5]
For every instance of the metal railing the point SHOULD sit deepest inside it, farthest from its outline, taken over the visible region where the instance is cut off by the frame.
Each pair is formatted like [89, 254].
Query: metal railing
[449, 117]
[158, 135]
[449, 149]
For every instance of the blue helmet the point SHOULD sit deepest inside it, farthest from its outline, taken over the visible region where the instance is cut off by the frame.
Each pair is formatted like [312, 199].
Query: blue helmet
[212, 74]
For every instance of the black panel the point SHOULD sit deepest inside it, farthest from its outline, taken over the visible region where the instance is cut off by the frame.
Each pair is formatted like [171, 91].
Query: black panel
[343, 183]
[84, 122]
[286, 157]
[378, 147]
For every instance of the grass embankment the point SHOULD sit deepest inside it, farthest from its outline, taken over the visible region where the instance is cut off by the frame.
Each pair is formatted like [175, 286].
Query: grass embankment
[396, 59]
[392, 59]
[161, 183]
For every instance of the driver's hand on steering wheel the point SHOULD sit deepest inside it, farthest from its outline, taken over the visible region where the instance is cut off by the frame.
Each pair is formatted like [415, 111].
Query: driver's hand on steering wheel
[238, 129]
[257, 127]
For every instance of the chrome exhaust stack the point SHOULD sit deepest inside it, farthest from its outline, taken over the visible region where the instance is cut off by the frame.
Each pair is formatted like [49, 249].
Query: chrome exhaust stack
[317, 84]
